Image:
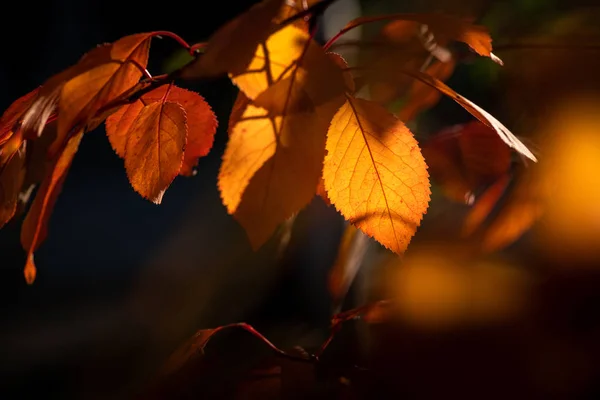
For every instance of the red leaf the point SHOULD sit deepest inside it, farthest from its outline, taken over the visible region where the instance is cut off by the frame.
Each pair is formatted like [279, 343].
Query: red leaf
[35, 225]
[201, 123]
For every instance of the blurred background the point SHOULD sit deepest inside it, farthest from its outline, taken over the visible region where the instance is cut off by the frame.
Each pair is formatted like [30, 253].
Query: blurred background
[122, 282]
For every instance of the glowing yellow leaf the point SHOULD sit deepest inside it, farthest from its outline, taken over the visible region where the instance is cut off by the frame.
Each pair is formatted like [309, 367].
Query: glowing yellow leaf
[295, 69]
[375, 174]
[271, 167]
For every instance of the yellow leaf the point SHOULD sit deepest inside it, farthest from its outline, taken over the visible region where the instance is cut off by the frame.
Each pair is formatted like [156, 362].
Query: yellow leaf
[231, 48]
[295, 69]
[375, 174]
[271, 167]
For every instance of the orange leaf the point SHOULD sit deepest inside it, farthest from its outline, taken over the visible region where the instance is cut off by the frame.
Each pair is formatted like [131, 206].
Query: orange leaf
[84, 95]
[231, 48]
[296, 71]
[375, 174]
[422, 96]
[36, 116]
[11, 180]
[503, 132]
[484, 205]
[155, 147]
[271, 167]
[13, 113]
[201, 123]
[35, 224]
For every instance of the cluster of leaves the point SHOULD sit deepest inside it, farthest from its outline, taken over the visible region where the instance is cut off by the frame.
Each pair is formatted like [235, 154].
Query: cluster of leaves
[298, 127]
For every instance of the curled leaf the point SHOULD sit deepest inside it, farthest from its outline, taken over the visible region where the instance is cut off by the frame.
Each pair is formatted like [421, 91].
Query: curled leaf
[11, 180]
[35, 224]
[505, 134]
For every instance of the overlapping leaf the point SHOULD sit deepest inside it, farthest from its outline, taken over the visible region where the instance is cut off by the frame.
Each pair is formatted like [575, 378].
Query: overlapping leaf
[272, 163]
[35, 225]
[231, 48]
[374, 173]
[155, 147]
[201, 123]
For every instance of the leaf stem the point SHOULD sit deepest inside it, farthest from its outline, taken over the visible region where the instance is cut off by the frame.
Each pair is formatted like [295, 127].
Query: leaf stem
[173, 36]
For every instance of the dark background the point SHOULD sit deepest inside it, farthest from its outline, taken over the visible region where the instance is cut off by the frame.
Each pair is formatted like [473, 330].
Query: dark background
[121, 282]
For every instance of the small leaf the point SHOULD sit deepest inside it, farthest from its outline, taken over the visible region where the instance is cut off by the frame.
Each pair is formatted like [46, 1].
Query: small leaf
[201, 123]
[192, 348]
[231, 48]
[155, 148]
[341, 62]
[11, 180]
[35, 224]
[375, 174]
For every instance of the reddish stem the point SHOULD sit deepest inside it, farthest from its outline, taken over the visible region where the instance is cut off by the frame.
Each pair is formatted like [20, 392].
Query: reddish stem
[173, 36]
[197, 47]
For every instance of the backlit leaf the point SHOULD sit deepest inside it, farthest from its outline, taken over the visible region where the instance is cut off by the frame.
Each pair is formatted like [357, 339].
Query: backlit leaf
[375, 174]
[295, 69]
[84, 95]
[505, 134]
[155, 147]
[231, 48]
[35, 224]
[201, 123]
[271, 167]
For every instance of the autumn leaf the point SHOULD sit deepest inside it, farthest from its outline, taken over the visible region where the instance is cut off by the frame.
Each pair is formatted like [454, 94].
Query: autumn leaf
[503, 132]
[273, 161]
[14, 113]
[154, 151]
[271, 167]
[375, 174]
[35, 224]
[295, 69]
[201, 123]
[84, 95]
[11, 179]
[231, 48]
